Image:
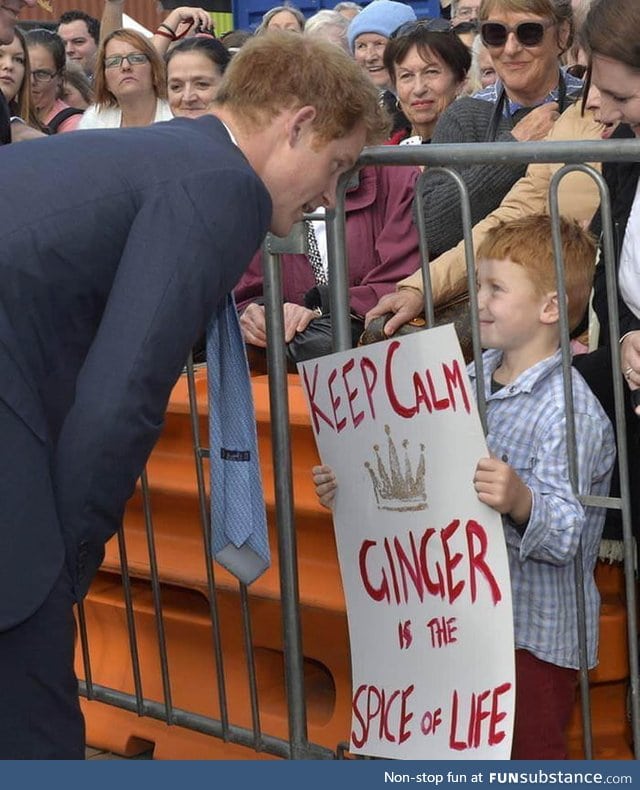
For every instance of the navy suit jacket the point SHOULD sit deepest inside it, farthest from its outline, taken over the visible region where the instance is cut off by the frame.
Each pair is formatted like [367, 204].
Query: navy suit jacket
[116, 247]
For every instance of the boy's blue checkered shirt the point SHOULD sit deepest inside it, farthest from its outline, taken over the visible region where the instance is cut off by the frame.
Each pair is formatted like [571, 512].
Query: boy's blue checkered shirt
[527, 429]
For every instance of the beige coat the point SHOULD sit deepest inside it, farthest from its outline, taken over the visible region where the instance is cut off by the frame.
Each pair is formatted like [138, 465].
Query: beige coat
[578, 198]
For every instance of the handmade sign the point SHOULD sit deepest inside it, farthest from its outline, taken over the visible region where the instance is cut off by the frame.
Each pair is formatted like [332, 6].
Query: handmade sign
[423, 562]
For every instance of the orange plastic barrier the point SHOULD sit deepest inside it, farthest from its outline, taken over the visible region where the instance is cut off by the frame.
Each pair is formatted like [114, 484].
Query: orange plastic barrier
[180, 555]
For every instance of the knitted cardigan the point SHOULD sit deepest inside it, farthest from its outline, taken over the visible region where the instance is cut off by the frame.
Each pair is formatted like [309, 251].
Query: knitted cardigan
[465, 121]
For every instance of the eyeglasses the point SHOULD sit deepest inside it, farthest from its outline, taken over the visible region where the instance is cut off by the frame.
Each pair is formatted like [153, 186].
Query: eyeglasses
[435, 25]
[133, 59]
[529, 34]
[42, 75]
[466, 12]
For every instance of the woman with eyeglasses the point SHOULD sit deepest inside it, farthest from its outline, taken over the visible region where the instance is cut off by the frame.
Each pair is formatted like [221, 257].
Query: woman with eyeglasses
[130, 84]
[47, 58]
[15, 79]
[526, 39]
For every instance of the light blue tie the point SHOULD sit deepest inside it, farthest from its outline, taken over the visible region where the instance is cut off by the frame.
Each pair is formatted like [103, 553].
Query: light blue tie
[238, 519]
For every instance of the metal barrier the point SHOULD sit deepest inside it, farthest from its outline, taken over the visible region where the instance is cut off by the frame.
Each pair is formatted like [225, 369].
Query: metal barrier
[297, 746]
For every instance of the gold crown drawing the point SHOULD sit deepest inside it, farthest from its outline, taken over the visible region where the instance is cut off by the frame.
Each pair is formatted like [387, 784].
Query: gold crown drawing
[395, 488]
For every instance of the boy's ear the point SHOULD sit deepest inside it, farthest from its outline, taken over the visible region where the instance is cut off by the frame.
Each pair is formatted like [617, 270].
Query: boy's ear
[550, 312]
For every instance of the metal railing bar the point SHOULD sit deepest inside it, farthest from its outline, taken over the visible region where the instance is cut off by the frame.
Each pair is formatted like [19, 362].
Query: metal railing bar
[205, 528]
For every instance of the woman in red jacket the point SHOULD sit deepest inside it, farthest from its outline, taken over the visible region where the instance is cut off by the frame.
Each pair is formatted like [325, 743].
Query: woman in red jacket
[382, 244]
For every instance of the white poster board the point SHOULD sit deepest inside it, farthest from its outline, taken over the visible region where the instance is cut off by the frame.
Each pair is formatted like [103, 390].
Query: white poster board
[423, 562]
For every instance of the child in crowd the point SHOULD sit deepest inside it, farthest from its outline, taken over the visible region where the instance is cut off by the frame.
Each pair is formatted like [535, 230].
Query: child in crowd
[526, 479]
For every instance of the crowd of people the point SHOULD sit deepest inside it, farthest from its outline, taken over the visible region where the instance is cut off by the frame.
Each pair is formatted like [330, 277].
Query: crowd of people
[470, 72]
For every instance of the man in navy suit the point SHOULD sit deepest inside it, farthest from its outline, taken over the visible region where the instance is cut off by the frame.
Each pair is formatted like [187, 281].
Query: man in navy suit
[116, 247]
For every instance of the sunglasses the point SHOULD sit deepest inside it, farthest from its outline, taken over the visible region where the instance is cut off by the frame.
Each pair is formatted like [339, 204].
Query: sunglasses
[432, 25]
[529, 34]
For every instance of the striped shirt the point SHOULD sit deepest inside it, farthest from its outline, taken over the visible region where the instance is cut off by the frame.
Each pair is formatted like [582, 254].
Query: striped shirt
[527, 429]
[492, 92]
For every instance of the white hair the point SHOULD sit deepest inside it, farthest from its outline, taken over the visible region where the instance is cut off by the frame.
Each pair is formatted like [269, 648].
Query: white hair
[330, 25]
[347, 5]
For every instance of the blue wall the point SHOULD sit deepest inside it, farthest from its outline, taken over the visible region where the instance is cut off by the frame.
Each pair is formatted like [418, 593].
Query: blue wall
[248, 13]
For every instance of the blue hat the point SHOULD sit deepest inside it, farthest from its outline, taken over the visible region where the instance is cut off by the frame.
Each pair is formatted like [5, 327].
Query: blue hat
[381, 16]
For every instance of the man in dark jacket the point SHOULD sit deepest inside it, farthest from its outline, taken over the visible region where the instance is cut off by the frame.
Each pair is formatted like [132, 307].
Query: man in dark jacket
[116, 249]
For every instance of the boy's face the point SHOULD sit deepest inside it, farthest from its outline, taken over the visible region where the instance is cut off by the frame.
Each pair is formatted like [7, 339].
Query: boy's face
[510, 308]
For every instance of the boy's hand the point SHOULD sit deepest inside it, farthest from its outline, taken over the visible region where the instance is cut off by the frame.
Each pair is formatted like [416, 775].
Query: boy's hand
[324, 480]
[498, 486]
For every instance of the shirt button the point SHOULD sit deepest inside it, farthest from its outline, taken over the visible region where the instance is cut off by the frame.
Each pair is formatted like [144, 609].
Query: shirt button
[505, 457]
[512, 389]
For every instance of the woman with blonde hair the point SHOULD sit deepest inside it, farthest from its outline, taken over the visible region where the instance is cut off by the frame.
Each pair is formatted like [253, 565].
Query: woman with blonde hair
[130, 84]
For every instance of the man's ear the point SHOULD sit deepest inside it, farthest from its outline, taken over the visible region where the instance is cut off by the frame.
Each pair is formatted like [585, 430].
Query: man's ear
[550, 312]
[300, 122]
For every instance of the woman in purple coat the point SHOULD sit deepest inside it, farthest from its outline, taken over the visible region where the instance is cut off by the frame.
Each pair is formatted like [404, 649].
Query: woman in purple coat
[382, 246]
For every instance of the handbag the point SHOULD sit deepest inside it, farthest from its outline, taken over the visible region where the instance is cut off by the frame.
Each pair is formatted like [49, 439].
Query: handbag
[456, 312]
[314, 341]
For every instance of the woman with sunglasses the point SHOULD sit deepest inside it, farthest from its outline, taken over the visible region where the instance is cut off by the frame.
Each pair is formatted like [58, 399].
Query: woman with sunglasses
[577, 193]
[130, 84]
[526, 39]
[48, 59]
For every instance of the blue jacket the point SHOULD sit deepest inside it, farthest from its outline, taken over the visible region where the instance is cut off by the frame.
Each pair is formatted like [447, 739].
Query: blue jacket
[115, 248]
